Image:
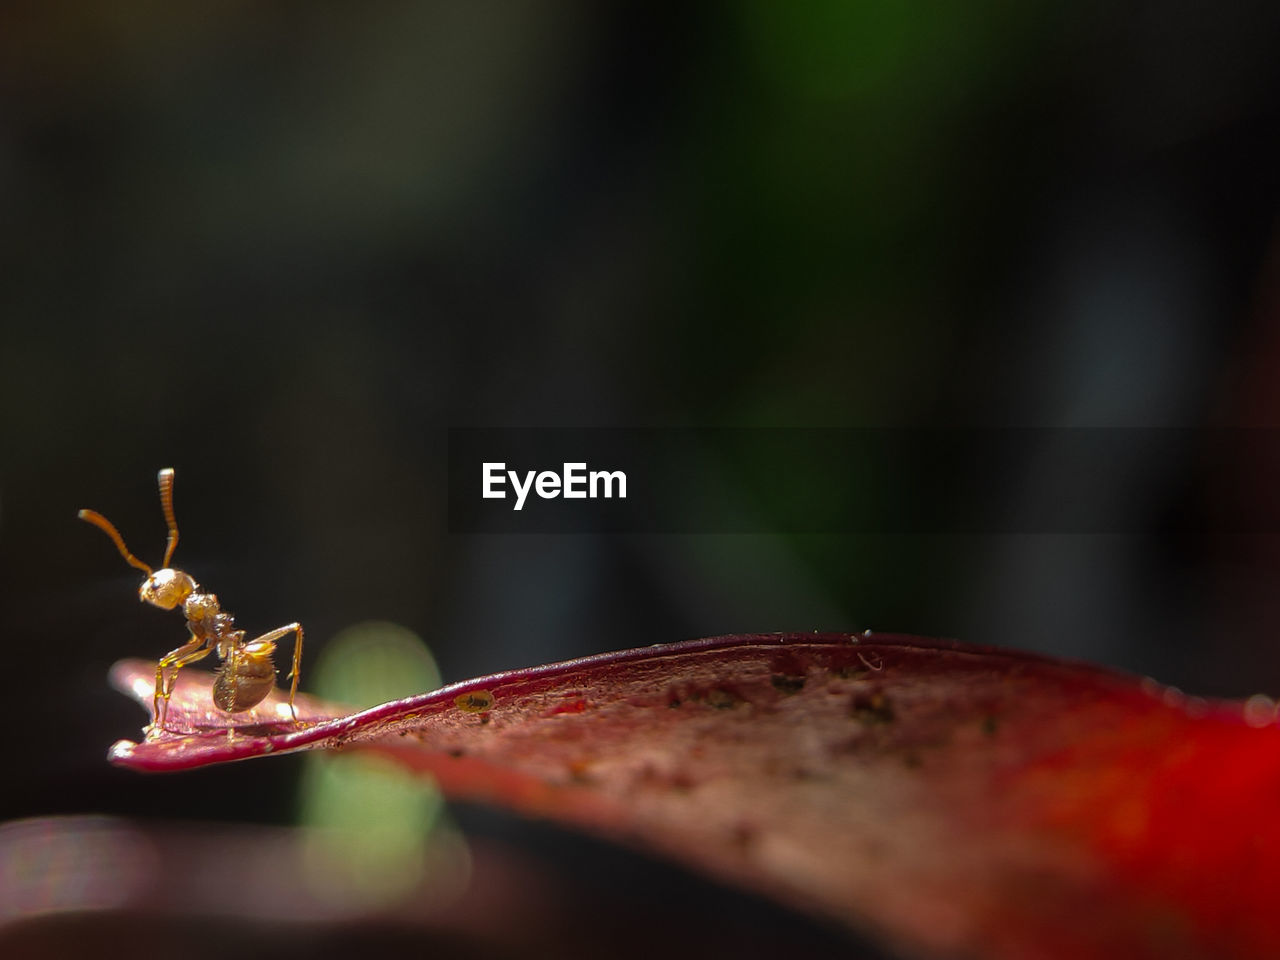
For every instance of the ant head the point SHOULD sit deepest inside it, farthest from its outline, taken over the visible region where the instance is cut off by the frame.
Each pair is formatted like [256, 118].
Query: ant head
[167, 588]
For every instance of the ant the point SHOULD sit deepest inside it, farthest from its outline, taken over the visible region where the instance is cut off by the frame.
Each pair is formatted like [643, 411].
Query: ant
[246, 674]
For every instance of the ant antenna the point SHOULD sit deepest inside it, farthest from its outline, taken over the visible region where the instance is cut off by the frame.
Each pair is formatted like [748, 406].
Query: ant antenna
[103, 524]
[166, 502]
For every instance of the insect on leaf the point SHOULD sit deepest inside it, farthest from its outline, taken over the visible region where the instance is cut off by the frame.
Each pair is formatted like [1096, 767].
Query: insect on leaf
[953, 800]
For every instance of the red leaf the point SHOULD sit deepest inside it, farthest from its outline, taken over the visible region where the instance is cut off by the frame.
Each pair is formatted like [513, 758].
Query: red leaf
[955, 800]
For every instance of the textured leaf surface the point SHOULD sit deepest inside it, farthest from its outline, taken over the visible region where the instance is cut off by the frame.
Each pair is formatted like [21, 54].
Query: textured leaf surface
[954, 800]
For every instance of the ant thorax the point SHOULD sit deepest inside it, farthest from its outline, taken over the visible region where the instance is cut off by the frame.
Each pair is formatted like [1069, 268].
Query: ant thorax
[201, 606]
[209, 622]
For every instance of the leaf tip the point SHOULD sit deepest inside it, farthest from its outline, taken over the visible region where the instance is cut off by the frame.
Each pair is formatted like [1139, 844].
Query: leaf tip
[121, 751]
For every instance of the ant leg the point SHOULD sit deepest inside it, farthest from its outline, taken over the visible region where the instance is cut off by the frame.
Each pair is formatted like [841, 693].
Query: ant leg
[189, 652]
[276, 634]
[167, 661]
[178, 665]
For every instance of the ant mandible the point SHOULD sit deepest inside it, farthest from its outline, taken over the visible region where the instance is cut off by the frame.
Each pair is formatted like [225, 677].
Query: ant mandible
[247, 673]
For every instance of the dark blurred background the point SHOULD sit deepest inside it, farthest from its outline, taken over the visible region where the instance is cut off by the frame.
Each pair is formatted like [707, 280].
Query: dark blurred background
[283, 248]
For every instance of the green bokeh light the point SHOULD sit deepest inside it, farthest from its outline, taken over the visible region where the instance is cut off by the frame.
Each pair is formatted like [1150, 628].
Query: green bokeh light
[376, 832]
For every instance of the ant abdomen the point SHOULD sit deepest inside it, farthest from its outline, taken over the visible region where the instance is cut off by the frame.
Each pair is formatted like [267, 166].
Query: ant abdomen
[243, 682]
